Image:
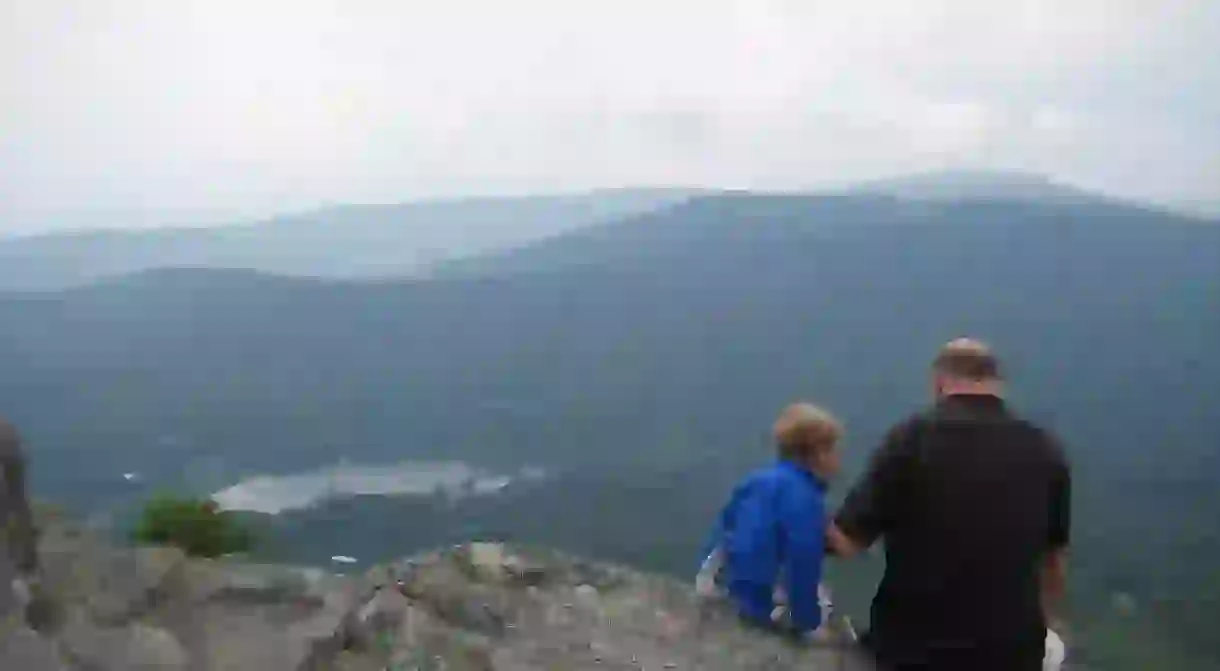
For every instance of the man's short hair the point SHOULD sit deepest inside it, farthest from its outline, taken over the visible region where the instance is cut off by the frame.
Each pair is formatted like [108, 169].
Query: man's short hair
[804, 429]
[967, 359]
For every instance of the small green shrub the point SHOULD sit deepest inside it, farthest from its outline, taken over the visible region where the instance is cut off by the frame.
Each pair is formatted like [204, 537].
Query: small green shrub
[197, 526]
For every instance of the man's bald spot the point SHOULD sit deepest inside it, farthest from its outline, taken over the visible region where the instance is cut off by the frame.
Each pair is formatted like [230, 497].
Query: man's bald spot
[967, 359]
[966, 346]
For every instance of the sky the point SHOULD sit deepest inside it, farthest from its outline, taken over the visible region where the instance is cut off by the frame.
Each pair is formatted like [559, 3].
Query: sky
[135, 113]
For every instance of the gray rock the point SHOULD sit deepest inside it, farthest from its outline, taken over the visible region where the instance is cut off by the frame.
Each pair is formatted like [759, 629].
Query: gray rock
[248, 624]
[240, 638]
[258, 584]
[426, 642]
[23, 649]
[487, 560]
[377, 619]
[490, 606]
[627, 621]
[117, 585]
[133, 582]
[136, 647]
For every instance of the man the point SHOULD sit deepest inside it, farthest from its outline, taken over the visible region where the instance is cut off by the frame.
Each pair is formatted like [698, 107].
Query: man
[18, 542]
[973, 505]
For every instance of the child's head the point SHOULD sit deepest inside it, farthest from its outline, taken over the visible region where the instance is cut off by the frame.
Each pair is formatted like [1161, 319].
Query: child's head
[809, 436]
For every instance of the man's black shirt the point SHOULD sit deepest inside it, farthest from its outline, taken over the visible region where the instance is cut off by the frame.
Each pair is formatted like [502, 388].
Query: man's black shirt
[968, 500]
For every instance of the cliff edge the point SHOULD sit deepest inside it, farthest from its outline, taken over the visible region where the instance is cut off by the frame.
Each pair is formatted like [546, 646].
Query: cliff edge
[473, 607]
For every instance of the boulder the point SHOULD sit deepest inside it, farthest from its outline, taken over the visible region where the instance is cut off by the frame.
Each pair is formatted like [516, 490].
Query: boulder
[263, 617]
[487, 560]
[374, 625]
[116, 585]
[137, 647]
[22, 648]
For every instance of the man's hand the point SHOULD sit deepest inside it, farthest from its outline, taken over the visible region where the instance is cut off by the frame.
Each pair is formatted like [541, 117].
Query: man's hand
[1054, 582]
[840, 544]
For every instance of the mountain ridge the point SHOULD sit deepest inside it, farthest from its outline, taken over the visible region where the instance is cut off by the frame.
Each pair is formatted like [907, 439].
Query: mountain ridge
[980, 185]
[350, 241]
[419, 238]
[758, 214]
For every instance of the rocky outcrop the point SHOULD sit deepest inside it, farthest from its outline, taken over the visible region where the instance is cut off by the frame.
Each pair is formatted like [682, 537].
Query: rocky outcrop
[476, 607]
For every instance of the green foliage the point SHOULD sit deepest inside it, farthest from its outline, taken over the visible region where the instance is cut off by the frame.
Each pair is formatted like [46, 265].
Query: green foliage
[196, 526]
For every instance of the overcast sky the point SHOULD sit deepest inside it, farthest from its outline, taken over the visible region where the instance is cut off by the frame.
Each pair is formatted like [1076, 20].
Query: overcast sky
[147, 112]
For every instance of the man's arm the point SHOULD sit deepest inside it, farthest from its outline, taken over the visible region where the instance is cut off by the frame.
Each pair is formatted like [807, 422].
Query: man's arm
[868, 511]
[1054, 570]
[1054, 582]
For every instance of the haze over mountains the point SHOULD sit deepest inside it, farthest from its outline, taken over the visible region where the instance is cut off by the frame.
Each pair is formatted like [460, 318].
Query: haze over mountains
[414, 239]
[344, 242]
[642, 356]
[973, 185]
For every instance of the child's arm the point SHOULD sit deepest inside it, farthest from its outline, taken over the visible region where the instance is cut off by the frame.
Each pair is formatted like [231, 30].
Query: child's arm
[715, 539]
[802, 521]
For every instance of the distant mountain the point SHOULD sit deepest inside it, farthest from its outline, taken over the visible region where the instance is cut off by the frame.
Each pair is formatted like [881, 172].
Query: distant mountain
[754, 220]
[353, 241]
[959, 185]
[1204, 209]
[713, 260]
[665, 342]
[621, 337]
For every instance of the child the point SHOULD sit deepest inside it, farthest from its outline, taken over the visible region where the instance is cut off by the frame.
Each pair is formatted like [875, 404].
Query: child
[769, 538]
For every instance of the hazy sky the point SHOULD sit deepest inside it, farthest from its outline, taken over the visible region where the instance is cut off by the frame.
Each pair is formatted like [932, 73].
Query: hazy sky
[140, 112]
